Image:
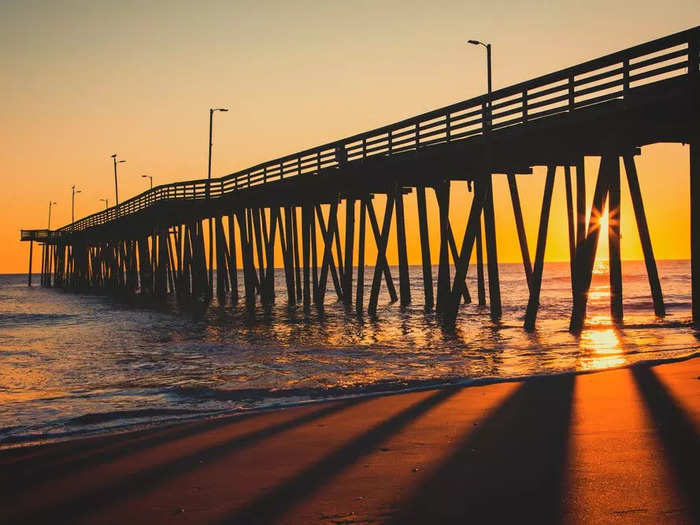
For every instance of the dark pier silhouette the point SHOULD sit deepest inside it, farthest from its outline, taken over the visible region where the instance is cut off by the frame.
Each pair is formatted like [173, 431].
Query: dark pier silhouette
[154, 243]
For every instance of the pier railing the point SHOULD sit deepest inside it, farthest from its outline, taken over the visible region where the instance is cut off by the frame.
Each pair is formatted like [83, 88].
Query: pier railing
[611, 77]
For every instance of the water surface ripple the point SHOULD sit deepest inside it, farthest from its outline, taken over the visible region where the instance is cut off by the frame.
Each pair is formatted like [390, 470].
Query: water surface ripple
[74, 364]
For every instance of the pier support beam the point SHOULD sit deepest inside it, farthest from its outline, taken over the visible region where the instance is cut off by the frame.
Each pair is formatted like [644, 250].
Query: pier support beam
[455, 257]
[491, 251]
[570, 221]
[404, 279]
[349, 243]
[31, 251]
[580, 203]
[233, 259]
[287, 241]
[465, 253]
[327, 258]
[306, 213]
[359, 299]
[520, 228]
[381, 267]
[585, 255]
[695, 227]
[297, 266]
[442, 192]
[247, 258]
[615, 263]
[425, 248]
[533, 303]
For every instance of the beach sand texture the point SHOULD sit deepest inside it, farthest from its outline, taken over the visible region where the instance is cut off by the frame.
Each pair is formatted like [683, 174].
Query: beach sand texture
[618, 446]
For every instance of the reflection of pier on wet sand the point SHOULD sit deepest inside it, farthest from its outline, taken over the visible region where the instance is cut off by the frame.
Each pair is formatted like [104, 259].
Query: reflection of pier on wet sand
[615, 446]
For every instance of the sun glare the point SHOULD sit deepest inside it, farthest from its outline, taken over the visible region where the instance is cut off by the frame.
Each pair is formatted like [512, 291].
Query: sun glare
[601, 344]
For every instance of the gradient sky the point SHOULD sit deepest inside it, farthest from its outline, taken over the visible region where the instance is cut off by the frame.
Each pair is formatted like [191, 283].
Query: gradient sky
[82, 80]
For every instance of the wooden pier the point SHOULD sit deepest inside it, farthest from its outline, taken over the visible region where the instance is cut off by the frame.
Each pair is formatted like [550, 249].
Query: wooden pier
[154, 243]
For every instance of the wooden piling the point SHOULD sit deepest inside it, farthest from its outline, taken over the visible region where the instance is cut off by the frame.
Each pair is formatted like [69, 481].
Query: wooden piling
[585, 255]
[43, 264]
[31, 251]
[455, 257]
[378, 239]
[425, 248]
[491, 251]
[349, 243]
[570, 222]
[615, 264]
[449, 313]
[695, 228]
[359, 299]
[404, 278]
[221, 261]
[644, 237]
[580, 203]
[288, 254]
[259, 244]
[536, 285]
[297, 267]
[327, 262]
[442, 193]
[306, 211]
[314, 255]
[520, 228]
[381, 264]
[242, 218]
[233, 259]
[480, 284]
[268, 295]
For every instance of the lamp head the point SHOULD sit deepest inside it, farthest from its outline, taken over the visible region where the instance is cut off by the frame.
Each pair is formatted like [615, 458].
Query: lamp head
[473, 42]
[114, 156]
[221, 109]
[121, 161]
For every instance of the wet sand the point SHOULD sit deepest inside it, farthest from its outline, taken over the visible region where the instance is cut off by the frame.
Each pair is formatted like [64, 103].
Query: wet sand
[617, 446]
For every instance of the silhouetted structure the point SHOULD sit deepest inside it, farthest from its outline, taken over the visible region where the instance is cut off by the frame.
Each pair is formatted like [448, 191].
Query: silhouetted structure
[608, 107]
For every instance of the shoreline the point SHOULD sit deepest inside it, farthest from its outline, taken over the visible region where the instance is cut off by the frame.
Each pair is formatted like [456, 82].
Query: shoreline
[612, 445]
[370, 391]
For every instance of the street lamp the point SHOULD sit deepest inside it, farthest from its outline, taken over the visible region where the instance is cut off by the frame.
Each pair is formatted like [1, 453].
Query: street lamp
[106, 201]
[488, 62]
[148, 177]
[116, 186]
[211, 120]
[51, 203]
[211, 246]
[72, 206]
[488, 79]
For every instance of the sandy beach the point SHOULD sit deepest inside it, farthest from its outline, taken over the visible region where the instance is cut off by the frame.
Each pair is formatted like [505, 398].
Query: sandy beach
[618, 446]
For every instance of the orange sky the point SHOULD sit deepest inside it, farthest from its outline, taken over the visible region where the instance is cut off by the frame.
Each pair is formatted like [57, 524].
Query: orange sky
[83, 80]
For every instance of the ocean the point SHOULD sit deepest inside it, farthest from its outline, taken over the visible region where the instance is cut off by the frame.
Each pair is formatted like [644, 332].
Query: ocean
[73, 365]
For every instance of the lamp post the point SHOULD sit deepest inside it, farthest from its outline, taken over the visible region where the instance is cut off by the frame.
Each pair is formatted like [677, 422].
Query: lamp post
[148, 177]
[116, 186]
[106, 201]
[488, 63]
[211, 244]
[72, 206]
[51, 203]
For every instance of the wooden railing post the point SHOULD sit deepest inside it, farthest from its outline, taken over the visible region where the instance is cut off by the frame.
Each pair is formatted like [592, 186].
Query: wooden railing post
[572, 100]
